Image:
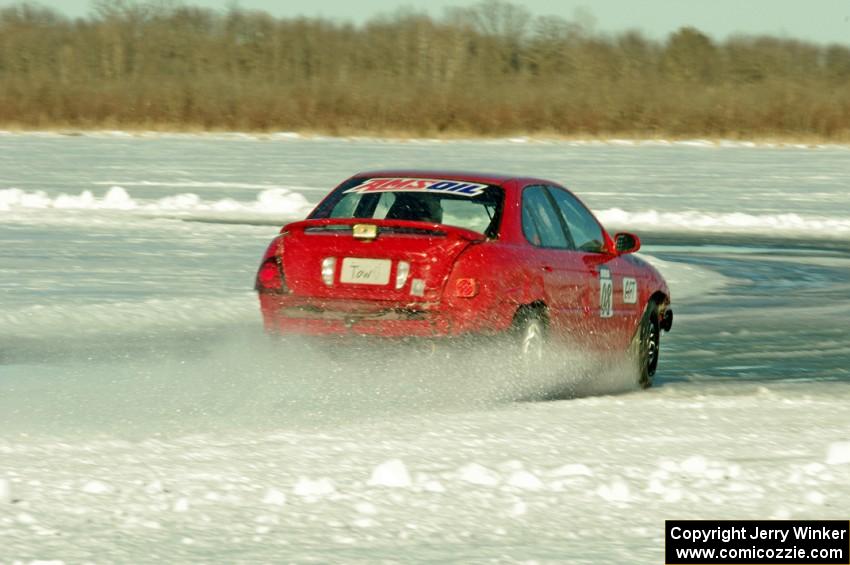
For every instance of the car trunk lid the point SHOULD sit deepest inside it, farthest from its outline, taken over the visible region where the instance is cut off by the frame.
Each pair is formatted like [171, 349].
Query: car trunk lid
[367, 257]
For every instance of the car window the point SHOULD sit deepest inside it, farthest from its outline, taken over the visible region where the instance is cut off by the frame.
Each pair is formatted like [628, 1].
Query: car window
[468, 214]
[540, 222]
[479, 211]
[584, 229]
[529, 226]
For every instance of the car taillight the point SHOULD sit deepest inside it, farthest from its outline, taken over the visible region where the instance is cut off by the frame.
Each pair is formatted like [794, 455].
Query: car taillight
[466, 288]
[328, 270]
[401, 273]
[270, 277]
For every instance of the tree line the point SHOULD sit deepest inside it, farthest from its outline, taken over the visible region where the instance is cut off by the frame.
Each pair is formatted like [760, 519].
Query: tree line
[491, 69]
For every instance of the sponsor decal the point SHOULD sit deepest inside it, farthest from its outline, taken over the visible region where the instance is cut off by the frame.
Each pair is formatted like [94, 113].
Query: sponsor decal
[417, 287]
[442, 186]
[606, 293]
[629, 290]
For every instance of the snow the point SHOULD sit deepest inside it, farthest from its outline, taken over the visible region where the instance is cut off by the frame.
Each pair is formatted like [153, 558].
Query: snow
[111, 317]
[789, 225]
[313, 488]
[154, 487]
[433, 486]
[571, 470]
[525, 480]
[391, 473]
[181, 505]
[366, 508]
[695, 465]
[277, 201]
[290, 204]
[295, 137]
[146, 418]
[97, 487]
[727, 186]
[478, 475]
[274, 497]
[616, 491]
[839, 453]
[5, 491]
[635, 479]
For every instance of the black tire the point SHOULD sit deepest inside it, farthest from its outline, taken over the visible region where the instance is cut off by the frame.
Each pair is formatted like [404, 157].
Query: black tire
[529, 335]
[648, 345]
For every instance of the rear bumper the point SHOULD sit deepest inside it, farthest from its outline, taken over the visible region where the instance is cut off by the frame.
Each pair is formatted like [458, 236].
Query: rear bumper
[289, 315]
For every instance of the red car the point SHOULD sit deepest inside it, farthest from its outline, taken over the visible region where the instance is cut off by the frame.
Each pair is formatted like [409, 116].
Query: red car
[425, 254]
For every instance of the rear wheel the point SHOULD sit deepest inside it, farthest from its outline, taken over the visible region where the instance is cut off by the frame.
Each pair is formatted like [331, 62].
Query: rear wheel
[530, 336]
[648, 345]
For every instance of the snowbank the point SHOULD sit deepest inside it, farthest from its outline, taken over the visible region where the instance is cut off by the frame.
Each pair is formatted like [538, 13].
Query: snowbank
[290, 202]
[779, 225]
[280, 201]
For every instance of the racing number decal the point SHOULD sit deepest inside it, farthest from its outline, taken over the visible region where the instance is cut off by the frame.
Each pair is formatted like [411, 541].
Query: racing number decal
[606, 293]
[629, 290]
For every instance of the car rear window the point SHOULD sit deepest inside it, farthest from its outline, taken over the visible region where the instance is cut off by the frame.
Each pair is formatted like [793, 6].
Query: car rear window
[469, 205]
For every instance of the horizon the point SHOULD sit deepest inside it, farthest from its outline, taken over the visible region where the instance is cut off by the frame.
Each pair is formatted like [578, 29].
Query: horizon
[823, 22]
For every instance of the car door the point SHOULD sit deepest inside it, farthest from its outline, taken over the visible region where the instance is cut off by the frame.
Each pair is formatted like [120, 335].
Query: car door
[554, 258]
[608, 282]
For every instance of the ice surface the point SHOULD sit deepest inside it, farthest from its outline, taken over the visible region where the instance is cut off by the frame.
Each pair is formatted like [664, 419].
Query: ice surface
[298, 137]
[731, 188]
[146, 418]
[688, 281]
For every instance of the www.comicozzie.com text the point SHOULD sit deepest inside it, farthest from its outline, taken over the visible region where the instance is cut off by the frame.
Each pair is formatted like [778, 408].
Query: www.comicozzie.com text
[726, 534]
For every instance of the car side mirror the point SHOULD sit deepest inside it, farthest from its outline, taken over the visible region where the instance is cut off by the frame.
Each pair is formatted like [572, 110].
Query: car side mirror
[626, 243]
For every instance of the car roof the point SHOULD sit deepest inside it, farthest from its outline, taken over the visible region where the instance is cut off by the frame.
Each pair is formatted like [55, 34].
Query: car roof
[486, 178]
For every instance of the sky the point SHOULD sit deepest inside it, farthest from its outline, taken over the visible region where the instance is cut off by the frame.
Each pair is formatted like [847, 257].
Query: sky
[822, 21]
